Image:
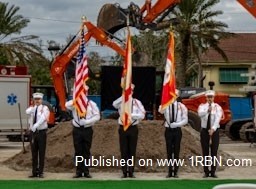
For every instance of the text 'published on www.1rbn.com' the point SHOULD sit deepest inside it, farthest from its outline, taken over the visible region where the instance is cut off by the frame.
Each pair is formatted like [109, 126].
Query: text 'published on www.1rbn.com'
[193, 161]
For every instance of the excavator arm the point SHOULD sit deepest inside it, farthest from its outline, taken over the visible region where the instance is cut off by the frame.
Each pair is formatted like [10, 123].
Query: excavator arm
[61, 61]
[112, 17]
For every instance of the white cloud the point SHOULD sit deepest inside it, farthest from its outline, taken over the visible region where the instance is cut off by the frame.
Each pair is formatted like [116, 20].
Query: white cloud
[43, 15]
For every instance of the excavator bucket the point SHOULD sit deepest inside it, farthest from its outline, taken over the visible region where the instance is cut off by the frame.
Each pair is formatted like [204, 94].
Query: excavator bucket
[111, 18]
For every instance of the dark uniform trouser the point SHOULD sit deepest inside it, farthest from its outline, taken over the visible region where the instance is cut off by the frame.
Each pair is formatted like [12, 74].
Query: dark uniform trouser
[173, 139]
[128, 144]
[205, 144]
[82, 139]
[38, 147]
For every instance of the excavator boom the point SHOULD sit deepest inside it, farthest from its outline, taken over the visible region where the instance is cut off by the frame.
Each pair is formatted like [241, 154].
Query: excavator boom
[155, 11]
[61, 61]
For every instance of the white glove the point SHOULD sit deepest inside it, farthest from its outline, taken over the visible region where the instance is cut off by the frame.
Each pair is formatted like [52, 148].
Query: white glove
[135, 116]
[84, 121]
[159, 109]
[173, 125]
[33, 129]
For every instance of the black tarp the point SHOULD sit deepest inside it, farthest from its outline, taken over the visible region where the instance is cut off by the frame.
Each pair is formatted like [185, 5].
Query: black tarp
[142, 77]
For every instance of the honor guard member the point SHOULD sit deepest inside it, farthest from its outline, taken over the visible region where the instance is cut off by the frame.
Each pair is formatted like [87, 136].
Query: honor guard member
[82, 134]
[210, 114]
[128, 139]
[39, 115]
[176, 116]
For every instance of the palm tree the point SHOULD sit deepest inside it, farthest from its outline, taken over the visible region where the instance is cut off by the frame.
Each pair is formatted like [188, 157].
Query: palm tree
[197, 31]
[151, 45]
[20, 50]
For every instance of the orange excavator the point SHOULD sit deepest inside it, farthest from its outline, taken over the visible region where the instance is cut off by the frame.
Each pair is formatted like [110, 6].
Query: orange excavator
[61, 61]
[110, 19]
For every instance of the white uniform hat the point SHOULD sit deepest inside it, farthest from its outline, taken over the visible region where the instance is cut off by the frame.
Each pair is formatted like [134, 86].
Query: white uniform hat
[210, 93]
[38, 95]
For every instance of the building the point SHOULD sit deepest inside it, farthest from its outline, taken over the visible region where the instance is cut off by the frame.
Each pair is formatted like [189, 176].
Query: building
[241, 52]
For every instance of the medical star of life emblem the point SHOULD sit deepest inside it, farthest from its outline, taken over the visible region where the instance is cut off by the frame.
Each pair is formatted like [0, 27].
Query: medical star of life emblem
[12, 99]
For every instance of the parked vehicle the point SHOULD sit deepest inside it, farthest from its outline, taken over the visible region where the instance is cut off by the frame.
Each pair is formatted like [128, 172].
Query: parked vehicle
[14, 99]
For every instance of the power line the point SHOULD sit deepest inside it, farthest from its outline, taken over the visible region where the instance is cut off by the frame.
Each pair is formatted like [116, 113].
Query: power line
[54, 20]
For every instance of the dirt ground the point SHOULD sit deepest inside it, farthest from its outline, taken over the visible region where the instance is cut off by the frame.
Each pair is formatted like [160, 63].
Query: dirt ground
[151, 145]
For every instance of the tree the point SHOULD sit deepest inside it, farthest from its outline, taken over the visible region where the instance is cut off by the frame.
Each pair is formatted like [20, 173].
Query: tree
[20, 50]
[154, 45]
[196, 32]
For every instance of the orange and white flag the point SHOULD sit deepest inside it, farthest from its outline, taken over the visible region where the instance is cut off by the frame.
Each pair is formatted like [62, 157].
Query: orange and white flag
[169, 84]
[126, 82]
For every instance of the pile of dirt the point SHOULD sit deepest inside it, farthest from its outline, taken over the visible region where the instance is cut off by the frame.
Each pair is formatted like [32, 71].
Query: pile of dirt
[151, 146]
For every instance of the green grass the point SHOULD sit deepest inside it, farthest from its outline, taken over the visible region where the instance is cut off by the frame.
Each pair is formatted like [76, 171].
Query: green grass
[128, 184]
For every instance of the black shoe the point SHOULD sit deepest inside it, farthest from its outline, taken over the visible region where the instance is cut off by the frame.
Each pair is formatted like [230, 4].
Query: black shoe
[132, 176]
[206, 175]
[41, 175]
[213, 175]
[77, 176]
[176, 175]
[87, 175]
[169, 175]
[33, 176]
[124, 176]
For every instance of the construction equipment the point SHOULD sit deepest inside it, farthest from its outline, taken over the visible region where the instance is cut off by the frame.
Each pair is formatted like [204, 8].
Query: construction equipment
[244, 128]
[61, 61]
[247, 130]
[112, 17]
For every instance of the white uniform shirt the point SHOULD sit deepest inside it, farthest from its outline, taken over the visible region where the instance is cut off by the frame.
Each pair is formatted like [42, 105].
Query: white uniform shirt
[92, 114]
[43, 114]
[138, 111]
[216, 115]
[180, 115]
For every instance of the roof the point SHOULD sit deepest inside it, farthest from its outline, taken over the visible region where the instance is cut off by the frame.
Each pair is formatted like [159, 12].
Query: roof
[240, 48]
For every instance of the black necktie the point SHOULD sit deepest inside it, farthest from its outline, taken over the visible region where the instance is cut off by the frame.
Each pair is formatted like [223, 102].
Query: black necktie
[209, 121]
[35, 117]
[173, 120]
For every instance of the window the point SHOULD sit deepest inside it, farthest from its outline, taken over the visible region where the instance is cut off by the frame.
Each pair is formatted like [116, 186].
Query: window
[233, 75]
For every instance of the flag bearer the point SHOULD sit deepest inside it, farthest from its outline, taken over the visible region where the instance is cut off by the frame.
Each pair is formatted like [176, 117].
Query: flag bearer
[176, 116]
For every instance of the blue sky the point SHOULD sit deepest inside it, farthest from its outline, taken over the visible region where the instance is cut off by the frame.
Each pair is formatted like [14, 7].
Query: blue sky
[57, 19]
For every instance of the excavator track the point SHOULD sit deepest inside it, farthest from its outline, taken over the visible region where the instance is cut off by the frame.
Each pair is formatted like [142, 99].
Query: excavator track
[247, 132]
[232, 129]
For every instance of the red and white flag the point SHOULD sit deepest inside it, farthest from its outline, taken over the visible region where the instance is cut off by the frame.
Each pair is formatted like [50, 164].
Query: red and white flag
[169, 84]
[80, 88]
[126, 81]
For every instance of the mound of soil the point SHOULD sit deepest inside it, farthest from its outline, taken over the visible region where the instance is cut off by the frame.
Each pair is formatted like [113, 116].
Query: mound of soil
[151, 146]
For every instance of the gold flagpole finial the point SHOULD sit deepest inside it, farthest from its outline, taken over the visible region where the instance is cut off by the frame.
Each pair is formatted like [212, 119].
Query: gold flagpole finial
[127, 20]
[171, 28]
[84, 19]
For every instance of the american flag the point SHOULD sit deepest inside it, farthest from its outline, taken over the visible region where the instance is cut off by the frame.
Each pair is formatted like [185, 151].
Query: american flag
[126, 82]
[80, 87]
[169, 84]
